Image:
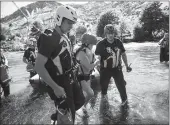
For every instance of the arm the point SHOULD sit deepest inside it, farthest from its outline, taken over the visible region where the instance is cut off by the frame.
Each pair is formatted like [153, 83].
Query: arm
[100, 50]
[6, 61]
[43, 73]
[46, 48]
[98, 59]
[124, 57]
[160, 42]
[24, 59]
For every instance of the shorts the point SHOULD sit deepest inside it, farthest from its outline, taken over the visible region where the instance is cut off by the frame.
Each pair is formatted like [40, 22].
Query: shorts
[82, 77]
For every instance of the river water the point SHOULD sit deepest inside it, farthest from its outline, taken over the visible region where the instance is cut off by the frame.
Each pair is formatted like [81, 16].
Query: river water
[147, 89]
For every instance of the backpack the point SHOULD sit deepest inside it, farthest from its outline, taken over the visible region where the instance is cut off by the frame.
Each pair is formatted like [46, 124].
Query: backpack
[81, 48]
[47, 32]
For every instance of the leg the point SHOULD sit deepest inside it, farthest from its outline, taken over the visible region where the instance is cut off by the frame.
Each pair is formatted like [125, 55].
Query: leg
[32, 74]
[68, 103]
[6, 88]
[162, 54]
[79, 98]
[86, 86]
[105, 76]
[68, 107]
[119, 81]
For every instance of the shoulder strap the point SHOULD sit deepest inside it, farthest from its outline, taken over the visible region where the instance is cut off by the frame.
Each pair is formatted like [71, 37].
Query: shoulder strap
[80, 49]
[2, 60]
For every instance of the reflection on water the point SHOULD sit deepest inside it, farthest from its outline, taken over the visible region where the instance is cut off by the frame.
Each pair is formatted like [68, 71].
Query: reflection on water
[147, 90]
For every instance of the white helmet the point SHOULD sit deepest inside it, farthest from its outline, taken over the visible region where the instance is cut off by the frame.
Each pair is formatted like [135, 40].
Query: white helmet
[67, 12]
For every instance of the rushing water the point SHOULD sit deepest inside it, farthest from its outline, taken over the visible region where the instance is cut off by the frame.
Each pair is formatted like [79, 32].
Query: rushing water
[147, 89]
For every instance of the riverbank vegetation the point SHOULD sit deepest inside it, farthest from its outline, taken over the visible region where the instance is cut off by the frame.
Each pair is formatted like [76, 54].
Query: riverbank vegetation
[135, 21]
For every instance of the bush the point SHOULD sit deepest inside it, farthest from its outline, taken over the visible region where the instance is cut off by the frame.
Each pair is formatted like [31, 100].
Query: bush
[138, 34]
[108, 17]
[18, 34]
[2, 37]
[153, 19]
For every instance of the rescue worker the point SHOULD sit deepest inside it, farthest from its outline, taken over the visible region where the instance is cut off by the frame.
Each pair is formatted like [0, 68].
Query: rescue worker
[55, 66]
[110, 50]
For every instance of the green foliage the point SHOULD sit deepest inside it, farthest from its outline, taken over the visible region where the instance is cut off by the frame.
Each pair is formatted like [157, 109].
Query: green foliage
[108, 17]
[5, 31]
[154, 20]
[18, 34]
[11, 37]
[138, 34]
[123, 30]
[81, 29]
[2, 37]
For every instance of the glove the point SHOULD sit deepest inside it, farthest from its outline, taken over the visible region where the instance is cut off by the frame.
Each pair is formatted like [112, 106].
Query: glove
[128, 69]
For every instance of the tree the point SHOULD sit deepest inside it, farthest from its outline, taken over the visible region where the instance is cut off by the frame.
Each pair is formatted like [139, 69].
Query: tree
[138, 34]
[2, 37]
[123, 29]
[153, 20]
[108, 17]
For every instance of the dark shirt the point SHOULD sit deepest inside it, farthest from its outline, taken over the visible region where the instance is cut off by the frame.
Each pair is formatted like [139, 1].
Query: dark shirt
[57, 49]
[47, 32]
[30, 55]
[106, 50]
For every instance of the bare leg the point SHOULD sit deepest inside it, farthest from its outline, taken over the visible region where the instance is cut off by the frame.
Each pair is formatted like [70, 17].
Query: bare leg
[87, 90]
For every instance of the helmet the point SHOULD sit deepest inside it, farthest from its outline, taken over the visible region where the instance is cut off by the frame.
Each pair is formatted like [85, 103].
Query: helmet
[31, 41]
[81, 30]
[37, 25]
[166, 35]
[72, 38]
[109, 28]
[88, 39]
[67, 12]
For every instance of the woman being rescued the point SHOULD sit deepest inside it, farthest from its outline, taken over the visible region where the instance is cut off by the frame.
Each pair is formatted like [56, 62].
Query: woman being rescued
[87, 61]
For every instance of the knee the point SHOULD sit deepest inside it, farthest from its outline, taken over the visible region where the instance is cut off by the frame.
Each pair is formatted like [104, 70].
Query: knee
[90, 93]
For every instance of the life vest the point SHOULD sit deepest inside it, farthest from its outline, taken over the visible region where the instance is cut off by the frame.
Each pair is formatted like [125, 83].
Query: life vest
[83, 48]
[113, 60]
[47, 31]
[4, 77]
[2, 61]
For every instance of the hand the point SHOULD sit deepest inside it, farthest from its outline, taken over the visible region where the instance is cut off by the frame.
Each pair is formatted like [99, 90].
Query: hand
[30, 67]
[59, 92]
[29, 63]
[6, 66]
[97, 62]
[98, 68]
[128, 69]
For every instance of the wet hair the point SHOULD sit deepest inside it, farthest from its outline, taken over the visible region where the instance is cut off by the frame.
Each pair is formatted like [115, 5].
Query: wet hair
[110, 29]
[81, 30]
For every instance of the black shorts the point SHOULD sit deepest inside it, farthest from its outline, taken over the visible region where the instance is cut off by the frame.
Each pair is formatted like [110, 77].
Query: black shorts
[74, 94]
[83, 77]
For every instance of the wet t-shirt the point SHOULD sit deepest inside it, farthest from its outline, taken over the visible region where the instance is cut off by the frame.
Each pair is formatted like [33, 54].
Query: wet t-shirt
[110, 53]
[57, 49]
